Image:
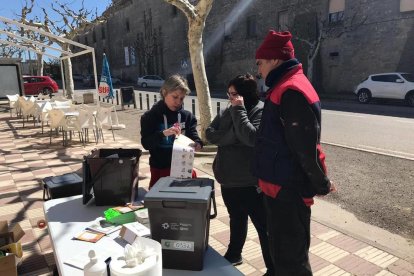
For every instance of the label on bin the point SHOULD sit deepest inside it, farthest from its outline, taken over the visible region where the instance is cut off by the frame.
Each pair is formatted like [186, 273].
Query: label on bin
[177, 245]
[184, 226]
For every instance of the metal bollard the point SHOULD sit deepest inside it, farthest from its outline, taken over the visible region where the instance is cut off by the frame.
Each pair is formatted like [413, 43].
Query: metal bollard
[117, 97]
[193, 106]
[155, 98]
[147, 96]
[218, 107]
[140, 101]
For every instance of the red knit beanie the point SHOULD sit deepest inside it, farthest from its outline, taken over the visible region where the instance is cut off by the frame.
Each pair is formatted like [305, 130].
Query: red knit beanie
[276, 45]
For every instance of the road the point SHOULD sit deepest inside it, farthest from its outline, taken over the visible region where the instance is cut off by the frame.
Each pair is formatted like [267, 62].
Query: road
[377, 133]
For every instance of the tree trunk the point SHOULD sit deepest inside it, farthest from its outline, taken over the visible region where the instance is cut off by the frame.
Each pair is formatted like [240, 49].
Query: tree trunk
[195, 35]
[39, 65]
[67, 69]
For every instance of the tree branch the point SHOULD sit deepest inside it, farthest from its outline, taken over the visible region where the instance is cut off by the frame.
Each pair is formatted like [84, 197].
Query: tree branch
[188, 9]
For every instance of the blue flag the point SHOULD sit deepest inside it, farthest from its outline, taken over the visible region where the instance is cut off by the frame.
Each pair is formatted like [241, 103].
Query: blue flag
[105, 88]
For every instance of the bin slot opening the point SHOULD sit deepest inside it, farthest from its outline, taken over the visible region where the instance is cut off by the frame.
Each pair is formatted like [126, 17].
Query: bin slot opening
[178, 192]
[189, 183]
[174, 204]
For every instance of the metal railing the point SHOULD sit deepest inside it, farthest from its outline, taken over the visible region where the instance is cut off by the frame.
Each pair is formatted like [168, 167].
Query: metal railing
[142, 98]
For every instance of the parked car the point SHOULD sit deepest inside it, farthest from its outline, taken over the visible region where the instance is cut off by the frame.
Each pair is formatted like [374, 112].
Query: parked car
[35, 85]
[150, 81]
[89, 80]
[387, 86]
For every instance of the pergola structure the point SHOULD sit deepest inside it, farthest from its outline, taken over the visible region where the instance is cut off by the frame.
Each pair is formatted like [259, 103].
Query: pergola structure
[63, 54]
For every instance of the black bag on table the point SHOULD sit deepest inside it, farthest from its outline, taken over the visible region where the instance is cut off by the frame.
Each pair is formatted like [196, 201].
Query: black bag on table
[109, 175]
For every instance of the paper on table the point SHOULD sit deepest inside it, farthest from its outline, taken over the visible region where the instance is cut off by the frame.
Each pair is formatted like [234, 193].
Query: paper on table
[182, 157]
[89, 236]
[103, 226]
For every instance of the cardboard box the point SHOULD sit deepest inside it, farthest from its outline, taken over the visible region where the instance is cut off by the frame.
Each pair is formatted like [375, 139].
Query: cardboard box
[8, 264]
[130, 231]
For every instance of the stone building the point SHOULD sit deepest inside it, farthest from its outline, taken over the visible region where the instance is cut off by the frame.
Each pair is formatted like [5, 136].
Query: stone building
[339, 42]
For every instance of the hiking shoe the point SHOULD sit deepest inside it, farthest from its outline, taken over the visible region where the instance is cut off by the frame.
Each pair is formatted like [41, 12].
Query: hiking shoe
[234, 260]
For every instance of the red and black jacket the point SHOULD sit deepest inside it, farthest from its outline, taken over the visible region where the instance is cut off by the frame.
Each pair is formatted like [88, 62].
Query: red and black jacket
[287, 150]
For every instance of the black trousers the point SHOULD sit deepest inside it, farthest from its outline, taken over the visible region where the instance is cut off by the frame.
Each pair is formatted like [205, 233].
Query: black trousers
[242, 203]
[288, 224]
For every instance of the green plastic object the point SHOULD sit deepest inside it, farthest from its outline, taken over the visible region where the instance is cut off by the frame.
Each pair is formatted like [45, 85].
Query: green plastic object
[111, 213]
[116, 217]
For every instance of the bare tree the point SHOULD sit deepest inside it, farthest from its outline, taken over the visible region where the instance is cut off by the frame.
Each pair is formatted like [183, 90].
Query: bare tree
[196, 16]
[146, 45]
[71, 24]
[7, 50]
[311, 28]
[33, 36]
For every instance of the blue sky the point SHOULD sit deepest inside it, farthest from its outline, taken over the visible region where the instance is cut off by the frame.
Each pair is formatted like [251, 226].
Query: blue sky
[8, 8]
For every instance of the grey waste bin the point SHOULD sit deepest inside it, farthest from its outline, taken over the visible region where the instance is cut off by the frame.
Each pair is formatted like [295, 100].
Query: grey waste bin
[108, 175]
[179, 217]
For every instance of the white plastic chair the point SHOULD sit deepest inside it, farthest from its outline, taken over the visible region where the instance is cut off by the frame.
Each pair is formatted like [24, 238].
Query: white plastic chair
[86, 121]
[57, 120]
[42, 112]
[107, 119]
[12, 103]
[27, 109]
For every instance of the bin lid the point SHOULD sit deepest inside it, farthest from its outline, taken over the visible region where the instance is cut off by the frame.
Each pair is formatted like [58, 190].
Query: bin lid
[170, 188]
[62, 180]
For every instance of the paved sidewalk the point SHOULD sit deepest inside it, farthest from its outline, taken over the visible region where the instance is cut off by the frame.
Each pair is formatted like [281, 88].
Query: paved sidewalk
[26, 158]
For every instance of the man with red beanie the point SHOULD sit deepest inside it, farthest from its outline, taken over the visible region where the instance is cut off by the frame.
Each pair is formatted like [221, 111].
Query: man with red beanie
[289, 161]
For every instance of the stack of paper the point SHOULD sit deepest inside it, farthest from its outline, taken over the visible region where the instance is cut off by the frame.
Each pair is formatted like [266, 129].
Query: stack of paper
[182, 157]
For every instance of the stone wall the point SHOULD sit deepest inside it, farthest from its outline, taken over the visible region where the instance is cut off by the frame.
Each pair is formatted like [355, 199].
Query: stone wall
[374, 37]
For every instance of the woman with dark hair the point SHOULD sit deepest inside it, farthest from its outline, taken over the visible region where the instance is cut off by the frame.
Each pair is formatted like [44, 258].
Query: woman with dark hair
[233, 130]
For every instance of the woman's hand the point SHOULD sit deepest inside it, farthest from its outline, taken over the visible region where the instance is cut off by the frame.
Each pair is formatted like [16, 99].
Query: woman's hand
[237, 100]
[174, 130]
[196, 146]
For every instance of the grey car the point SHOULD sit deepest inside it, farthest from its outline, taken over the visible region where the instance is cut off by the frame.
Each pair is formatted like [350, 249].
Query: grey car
[150, 81]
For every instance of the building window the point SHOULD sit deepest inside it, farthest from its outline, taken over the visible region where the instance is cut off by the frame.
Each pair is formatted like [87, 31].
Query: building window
[227, 29]
[103, 33]
[132, 55]
[127, 25]
[251, 26]
[406, 5]
[283, 21]
[336, 11]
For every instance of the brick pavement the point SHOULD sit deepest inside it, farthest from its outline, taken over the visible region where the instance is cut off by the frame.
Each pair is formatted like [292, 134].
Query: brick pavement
[26, 158]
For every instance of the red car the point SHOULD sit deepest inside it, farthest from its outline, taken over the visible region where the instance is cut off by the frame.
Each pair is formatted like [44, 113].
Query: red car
[35, 85]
